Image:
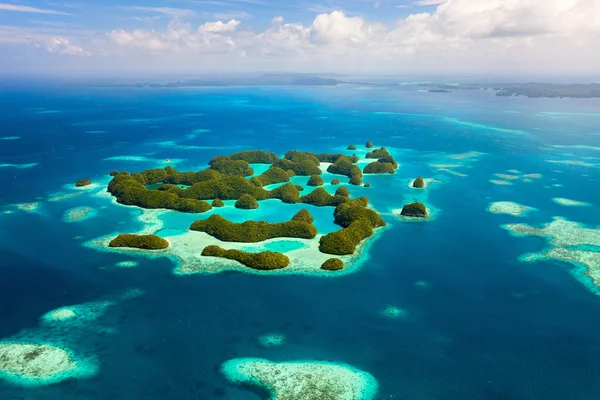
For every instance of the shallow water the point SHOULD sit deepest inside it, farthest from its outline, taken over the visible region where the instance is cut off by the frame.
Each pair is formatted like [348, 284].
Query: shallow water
[480, 324]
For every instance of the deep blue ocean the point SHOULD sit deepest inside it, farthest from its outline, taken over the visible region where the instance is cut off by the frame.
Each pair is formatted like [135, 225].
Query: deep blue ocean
[481, 325]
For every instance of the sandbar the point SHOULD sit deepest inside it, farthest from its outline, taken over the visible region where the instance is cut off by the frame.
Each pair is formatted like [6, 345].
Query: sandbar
[506, 176]
[303, 380]
[569, 203]
[500, 182]
[509, 208]
[10, 137]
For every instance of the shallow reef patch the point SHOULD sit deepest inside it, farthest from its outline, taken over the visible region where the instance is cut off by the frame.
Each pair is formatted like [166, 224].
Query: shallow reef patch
[303, 380]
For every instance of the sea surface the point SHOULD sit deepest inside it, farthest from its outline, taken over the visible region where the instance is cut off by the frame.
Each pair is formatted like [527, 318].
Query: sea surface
[478, 323]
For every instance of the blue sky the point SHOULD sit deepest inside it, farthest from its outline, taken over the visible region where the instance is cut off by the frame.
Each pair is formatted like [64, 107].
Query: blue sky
[354, 36]
[113, 14]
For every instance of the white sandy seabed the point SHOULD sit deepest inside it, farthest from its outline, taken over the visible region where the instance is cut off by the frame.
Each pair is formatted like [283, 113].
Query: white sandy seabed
[185, 250]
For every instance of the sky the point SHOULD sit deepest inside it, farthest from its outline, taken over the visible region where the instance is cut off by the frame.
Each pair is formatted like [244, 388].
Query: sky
[345, 36]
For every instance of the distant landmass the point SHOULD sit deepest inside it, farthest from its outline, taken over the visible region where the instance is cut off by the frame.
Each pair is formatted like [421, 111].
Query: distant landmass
[266, 79]
[531, 89]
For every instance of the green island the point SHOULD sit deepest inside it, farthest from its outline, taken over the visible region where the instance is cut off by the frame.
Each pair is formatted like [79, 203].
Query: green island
[246, 202]
[419, 183]
[333, 264]
[257, 231]
[351, 147]
[335, 181]
[146, 242]
[357, 222]
[217, 203]
[315, 180]
[266, 260]
[414, 210]
[83, 182]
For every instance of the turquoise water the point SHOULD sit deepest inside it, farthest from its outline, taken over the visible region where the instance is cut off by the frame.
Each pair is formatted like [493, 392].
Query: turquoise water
[479, 323]
[279, 246]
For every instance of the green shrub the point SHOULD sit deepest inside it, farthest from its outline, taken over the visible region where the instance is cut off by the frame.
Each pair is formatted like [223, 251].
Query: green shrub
[253, 231]
[228, 167]
[419, 183]
[146, 242]
[333, 264]
[246, 202]
[218, 203]
[303, 216]
[335, 181]
[369, 145]
[262, 261]
[83, 182]
[273, 175]
[315, 180]
[417, 210]
[342, 191]
[352, 147]
[320, 197]
[379, 168]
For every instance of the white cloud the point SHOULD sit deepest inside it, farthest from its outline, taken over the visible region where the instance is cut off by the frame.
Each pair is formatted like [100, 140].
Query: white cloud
[219, 26]
[465, 36]
[27, 9]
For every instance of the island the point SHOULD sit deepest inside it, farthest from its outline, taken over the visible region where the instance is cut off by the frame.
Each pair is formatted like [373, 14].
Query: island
[83, 182]
[414, 210]
[351, 147]
[146, 242]
[257, 231]
[315, 180]
[267, 260]
[335, 181]
[419, 183]
[528, 89]
[246, 202]
[217, 203]
[369, 145]
[333, 264]
[357, 222]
